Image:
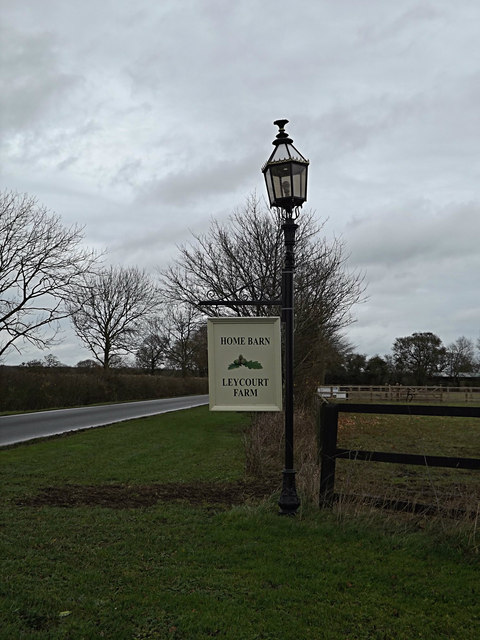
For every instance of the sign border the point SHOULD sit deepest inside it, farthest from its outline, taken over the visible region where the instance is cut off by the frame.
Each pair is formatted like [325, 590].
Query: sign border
[276, 374]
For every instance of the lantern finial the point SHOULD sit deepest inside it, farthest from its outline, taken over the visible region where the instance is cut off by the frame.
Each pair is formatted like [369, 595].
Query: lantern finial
[282, 135]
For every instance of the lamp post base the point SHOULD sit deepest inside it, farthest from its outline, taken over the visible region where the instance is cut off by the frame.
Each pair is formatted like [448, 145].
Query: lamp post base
[289, 501]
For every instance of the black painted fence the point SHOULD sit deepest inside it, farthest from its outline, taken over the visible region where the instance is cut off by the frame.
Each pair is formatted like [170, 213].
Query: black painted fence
[329, 452]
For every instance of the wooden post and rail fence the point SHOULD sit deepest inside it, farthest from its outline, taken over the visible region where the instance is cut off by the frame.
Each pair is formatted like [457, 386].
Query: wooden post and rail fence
[330, 452]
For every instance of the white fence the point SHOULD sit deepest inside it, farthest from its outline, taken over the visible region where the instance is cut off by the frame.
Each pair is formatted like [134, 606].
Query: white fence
[399, 393]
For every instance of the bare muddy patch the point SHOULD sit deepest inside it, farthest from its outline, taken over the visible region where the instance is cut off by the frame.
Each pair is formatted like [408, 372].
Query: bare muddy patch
[121, 496]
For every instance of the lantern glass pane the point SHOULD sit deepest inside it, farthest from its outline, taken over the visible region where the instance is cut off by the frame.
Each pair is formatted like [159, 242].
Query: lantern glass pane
[299, 174]
[270, 188]
[281, 178]
[282, 152]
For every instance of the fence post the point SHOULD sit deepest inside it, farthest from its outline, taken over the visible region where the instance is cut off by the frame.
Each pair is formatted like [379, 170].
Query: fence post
[328, 428]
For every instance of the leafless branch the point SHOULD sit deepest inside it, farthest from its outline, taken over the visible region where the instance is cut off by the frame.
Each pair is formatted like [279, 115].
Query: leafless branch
[40, 262]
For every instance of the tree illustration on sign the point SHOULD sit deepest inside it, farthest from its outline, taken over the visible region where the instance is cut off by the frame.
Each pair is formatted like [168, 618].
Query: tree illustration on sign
[242, 362]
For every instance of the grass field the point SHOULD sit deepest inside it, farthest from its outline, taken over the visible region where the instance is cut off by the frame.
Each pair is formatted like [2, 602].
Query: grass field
[150, 530]
[425, 435]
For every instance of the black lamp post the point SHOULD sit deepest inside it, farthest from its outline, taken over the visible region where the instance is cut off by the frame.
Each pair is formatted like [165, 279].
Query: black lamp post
[286, 179]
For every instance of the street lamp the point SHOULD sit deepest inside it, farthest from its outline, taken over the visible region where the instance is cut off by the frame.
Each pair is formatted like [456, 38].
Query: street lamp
[286, 178]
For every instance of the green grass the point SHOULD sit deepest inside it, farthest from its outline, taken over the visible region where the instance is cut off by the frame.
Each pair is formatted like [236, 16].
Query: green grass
[436, 436]
[200, 570]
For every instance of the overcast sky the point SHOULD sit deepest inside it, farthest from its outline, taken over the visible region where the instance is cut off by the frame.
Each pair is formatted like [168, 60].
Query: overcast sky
[143, 120]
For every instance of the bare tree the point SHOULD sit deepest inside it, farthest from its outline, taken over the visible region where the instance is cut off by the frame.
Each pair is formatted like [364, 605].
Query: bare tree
[109, 309]
[52, 361]
[41, 261]
[200, 350]
[152, 352]
[460, 358]
[243, 259]
[176, 338]
[182, 324]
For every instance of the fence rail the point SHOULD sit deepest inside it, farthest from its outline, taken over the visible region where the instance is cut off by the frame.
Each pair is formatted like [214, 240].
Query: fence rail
[329, 452]
[399, 393]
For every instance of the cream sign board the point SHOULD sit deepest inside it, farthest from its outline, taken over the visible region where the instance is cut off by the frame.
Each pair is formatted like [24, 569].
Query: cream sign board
[244, 364]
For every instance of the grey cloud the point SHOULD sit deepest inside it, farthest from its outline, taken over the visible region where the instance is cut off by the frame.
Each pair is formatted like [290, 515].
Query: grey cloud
[31, 79]
[414, 17]
[416, 232]
[141, 120]
[127, 172]
[200, 183]
[68, 162]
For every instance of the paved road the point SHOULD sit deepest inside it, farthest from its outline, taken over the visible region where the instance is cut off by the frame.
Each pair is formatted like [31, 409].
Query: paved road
[27, 426]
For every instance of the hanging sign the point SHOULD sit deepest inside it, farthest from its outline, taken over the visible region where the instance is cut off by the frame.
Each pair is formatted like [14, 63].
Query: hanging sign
[244, 364]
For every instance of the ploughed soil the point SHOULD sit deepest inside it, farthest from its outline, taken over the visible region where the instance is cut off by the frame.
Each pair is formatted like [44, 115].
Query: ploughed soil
[121, 496]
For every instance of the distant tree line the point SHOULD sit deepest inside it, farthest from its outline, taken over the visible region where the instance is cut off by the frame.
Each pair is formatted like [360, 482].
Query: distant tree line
[419, 359]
